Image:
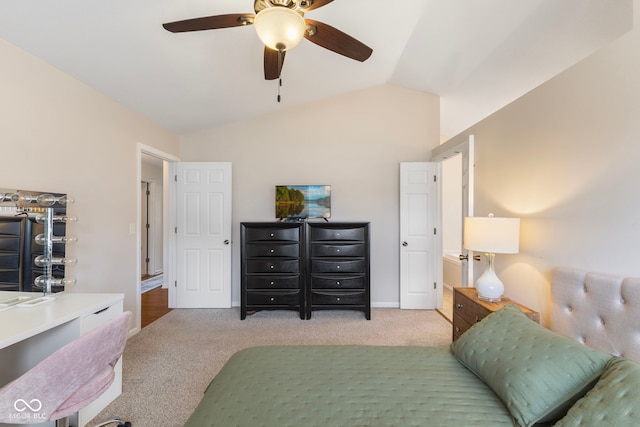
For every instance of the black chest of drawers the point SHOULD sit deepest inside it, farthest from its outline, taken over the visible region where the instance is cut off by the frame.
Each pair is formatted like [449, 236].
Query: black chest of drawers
[304, 267]
[272, 267]
[338, 267]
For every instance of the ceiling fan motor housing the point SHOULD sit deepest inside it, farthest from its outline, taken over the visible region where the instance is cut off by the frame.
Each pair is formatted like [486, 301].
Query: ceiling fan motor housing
[297, 5]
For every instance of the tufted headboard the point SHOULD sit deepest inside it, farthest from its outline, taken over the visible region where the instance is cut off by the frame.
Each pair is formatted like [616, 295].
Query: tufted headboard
[599, 310]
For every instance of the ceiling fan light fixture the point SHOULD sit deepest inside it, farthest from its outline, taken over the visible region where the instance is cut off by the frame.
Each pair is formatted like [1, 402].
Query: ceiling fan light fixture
[279, 28]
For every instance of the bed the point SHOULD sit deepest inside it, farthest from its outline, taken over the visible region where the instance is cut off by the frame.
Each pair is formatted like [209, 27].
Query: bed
[529, 376]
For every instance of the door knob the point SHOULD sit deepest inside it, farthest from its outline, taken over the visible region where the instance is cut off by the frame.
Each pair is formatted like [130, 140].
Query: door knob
[405, 244]
[226, 242]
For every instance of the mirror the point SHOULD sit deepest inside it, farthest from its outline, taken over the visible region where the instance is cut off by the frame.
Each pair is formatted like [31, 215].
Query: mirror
[25, 242]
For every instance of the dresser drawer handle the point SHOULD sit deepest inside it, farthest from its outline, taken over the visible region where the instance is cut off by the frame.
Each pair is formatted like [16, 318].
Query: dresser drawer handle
[478, 318]
[272, 283]
[271, 267]
[458, 329]
[273, 299]
[338, 267]
[338, 299]
[338, 282]
[104, 309]
[458, 305]
[272, 251]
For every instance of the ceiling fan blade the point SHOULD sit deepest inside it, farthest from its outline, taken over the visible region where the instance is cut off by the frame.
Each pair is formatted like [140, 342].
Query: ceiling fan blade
[315, 4]
[210, 22]
[273, 62]
[333, 39]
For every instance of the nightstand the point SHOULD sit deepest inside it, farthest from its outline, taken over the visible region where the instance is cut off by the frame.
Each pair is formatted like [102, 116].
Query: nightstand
[468, 309]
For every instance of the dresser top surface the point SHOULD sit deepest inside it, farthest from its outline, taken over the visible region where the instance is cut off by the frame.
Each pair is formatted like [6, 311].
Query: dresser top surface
[472, 293]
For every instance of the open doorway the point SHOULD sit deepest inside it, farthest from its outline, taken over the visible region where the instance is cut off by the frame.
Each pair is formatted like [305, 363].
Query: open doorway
[151, 218]
[155, 240]
[153, 286]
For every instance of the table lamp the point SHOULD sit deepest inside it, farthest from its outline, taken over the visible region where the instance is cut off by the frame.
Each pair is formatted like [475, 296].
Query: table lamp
[491, 235]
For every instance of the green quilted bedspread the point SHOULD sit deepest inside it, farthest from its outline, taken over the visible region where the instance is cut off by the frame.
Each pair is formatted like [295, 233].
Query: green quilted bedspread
[347, 386]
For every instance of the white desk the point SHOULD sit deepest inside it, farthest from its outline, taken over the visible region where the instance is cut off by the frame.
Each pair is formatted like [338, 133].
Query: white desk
[29, 334]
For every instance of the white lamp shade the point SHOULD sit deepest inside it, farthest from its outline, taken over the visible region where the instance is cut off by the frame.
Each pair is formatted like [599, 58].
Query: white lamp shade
[279, 28]
[492, 234]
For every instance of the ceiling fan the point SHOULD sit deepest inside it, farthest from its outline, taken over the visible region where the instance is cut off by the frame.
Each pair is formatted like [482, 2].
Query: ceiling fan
[281, 25]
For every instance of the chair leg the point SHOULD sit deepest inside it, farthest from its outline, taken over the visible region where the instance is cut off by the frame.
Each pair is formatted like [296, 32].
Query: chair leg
[114, 420]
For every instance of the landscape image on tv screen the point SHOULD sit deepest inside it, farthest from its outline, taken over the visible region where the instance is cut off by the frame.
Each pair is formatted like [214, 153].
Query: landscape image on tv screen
[303, 201]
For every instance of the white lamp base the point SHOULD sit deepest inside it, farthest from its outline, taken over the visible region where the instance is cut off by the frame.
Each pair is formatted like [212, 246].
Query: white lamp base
[489, 286]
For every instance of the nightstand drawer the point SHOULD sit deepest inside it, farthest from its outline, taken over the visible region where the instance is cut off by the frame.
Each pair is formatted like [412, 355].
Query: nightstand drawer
[273, 282]
[468, 310]
[460, 326]
[290, 250]
[275, 298]
[344, 234]
[271, 234]
[273, 266]
[332, 282]
[338, 266]
[338, 250]
[337, 298]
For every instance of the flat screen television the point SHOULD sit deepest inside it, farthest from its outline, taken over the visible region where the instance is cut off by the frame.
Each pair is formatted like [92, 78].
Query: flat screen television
[303, 201]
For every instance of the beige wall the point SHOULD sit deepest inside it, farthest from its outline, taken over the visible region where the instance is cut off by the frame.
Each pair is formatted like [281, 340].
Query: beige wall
[353, 143]
[60, 135]
[565, 158]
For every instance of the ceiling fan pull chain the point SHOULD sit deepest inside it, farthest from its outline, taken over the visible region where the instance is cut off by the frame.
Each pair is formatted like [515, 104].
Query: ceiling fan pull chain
[279, 86]
[280, 61]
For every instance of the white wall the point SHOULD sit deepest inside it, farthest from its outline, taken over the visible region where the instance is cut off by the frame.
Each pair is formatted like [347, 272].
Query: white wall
[354, 143]
[565, 158]
[62, 136]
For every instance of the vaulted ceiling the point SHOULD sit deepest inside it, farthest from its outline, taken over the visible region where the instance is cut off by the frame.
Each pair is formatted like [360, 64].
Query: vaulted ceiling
[477, 55]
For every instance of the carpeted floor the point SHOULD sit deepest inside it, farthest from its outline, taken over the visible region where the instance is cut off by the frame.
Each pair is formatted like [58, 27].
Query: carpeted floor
[168, 365]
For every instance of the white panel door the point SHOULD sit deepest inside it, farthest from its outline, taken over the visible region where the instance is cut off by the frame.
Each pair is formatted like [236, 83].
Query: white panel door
[420, 273]
[203, 235]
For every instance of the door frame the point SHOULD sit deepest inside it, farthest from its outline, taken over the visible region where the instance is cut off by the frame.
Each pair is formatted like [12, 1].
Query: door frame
[462, 144]
[169, 243]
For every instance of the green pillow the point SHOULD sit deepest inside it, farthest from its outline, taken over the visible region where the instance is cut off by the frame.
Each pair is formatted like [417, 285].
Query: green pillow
[613, 401]
[537, 373]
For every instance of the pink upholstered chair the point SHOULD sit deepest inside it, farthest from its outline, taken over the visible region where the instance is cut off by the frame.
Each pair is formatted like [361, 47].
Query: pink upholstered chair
[69, 379]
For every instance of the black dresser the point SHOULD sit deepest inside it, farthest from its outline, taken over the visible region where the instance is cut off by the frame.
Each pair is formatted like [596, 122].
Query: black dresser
[272, 267]
[305, 267]
[338, 267]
